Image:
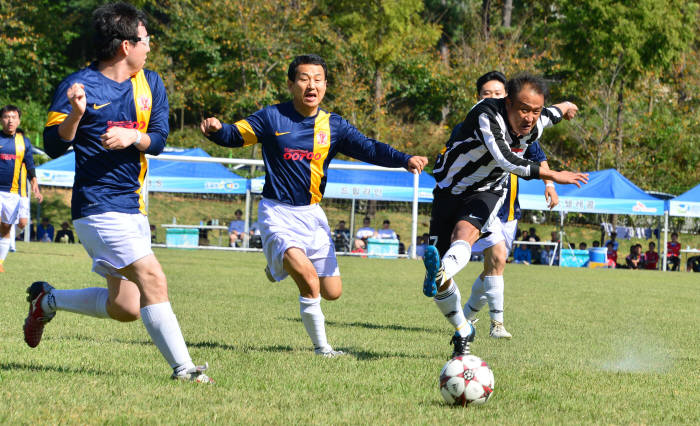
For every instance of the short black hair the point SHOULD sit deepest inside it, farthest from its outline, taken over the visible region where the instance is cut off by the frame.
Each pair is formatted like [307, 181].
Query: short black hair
[9, 108]
[367, 219]
[386, 221]
[311, 59]
[114, 23]
[491, 75]
[516, 84]
[238, 211]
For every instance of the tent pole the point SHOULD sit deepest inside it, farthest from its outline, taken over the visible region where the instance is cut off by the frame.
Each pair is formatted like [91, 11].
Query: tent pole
[665, 238]
[246, 225]
[414, 221]
[352, 224]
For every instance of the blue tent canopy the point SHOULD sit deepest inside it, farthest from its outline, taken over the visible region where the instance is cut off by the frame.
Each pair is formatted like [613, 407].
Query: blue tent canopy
[370, 184]
[607, 191]
[163, 176]
[686, 204]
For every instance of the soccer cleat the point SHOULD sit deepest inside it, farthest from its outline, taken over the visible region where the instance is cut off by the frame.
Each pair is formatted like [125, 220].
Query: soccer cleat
[268, 274]
[328, 352]
[194, 374]
[433, 271]
[498, 331]
[37, 318]
[461, 344]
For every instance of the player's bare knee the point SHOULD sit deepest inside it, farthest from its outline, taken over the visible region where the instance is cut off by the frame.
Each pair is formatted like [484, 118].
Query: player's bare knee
[123, 312]
[331, 294]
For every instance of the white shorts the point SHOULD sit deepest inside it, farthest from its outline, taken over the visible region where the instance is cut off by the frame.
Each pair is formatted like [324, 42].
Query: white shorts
[23, 208]
[9, 207]
[500, 231]
[114, 240]
[306, 227]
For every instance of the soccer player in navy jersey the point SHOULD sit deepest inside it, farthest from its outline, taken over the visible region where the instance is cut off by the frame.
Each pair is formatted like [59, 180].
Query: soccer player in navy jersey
[113, 112]
[16, 164]
[299, 139]
[498, 239]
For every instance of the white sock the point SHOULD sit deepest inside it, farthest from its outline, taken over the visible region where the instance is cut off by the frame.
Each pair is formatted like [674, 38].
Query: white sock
[314, 321]
[456, 258]
[162, 326]
[477, 299]
[493, 285]
[4, 248]
[12, 238]
[450, 304]
[87, 301]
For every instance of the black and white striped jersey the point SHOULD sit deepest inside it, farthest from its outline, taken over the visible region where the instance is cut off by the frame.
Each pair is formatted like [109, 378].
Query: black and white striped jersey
[482, 153]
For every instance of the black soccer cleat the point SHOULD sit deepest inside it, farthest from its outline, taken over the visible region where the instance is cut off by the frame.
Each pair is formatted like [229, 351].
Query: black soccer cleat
[461, 344]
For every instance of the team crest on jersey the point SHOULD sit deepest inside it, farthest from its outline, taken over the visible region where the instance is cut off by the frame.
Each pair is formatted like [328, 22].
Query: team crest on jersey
[321, 138]
[144, 103]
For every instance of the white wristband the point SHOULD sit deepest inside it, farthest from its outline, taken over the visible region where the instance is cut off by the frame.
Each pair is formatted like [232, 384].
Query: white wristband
[138, 138]
[550, 185]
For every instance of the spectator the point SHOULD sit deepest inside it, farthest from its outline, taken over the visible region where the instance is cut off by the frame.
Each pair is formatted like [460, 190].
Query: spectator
[153, 233]
[634, 259]
[596, 243]
[363, 234]
[582, 246]
[402, 246]
[546, 255]
[533, 234]
[386, 232]
[522, 255]
[612, 254]
[204, 233]
[534, 249]
[673, 249]
[693, 264]
[45, 231]
[612, 240]
[651, 257]
[341, 237]
[421, 243]
[236, 229]
[524, 236]
[65, 234]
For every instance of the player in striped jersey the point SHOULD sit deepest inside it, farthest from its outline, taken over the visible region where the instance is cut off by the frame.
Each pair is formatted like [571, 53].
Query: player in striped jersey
[298, 142]
[498, 240]
[113, 112]
[16, 163]
[471, 178]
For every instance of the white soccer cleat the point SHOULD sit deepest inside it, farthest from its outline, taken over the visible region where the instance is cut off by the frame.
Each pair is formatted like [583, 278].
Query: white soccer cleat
[268, 274]
[328, 352]
[498, 331]
[194, 374]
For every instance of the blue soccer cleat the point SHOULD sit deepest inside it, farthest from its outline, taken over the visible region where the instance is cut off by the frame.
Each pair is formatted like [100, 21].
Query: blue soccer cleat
[433, 271]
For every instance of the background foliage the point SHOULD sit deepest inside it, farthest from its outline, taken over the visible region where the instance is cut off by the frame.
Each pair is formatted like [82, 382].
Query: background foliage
[403, 70]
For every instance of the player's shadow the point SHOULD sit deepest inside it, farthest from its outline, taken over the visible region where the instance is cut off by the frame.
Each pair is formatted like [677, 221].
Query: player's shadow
[372, 326]
[49, 368]
[206, 344]
[365, 355]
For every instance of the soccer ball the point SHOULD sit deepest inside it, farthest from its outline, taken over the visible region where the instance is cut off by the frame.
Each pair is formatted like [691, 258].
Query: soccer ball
[466, 379]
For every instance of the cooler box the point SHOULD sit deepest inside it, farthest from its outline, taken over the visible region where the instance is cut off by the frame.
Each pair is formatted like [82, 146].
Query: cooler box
[599, 257]
[182, 237]
[387, 248]
[573, 258]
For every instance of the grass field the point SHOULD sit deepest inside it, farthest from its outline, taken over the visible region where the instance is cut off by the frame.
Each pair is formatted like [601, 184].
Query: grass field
[589, 346]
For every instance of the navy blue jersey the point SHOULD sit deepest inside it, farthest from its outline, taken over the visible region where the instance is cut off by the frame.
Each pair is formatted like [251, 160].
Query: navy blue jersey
[510, 210]
[297, 149]
[109, 181]
[15, 159]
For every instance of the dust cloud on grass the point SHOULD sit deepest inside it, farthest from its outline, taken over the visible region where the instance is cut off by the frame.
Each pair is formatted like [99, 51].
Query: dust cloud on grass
[636, 352]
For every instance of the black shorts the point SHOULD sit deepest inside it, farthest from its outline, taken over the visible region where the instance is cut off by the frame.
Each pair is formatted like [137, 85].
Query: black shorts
[479, 209]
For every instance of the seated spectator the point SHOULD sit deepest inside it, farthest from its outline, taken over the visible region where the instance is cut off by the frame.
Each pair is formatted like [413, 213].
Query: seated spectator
[236, 229]
[612, 255]
[65, 234]
[386, 232]
[421, 243]
[612, 240]
[693, 264]
[153, 234]
[524, 236]
[534, 249]
[582, 246]
[402, 246]
[546, 255]
[45, 231]
[255, 235]
[673, 249]
[204, 233]
[596, 243]
[634, 259]
[533, 234]
[363, 234]
[522, 255]
[651, 257]
[341, 237]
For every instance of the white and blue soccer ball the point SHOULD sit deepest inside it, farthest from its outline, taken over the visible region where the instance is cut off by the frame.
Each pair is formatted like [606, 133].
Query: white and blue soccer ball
[466, 379]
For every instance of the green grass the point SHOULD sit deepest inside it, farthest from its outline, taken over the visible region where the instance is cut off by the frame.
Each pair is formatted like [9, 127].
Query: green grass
[589, 346]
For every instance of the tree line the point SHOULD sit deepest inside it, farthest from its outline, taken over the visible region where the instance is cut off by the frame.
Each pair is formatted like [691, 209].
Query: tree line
[403, 71]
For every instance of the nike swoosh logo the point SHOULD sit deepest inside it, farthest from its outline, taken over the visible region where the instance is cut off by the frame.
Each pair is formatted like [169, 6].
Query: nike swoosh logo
[474, 217]
[280, 134]
[95, 106]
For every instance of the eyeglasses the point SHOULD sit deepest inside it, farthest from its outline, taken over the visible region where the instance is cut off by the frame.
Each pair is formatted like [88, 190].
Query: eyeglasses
[146, 40]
